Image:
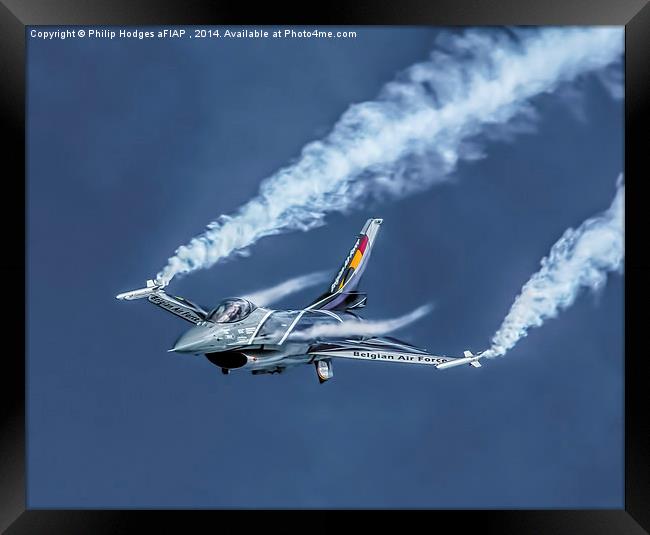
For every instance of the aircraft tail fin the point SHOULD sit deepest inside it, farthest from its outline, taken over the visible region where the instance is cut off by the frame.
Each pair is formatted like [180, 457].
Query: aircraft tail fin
[342, 294]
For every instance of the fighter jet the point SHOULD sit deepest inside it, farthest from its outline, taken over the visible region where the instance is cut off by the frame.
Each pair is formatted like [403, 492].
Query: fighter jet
[238, 335]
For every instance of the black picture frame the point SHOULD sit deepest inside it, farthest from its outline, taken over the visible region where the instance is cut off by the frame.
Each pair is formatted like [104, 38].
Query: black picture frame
[15, 15]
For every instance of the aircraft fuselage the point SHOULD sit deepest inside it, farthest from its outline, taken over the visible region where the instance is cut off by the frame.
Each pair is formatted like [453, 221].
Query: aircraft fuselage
[265, 339]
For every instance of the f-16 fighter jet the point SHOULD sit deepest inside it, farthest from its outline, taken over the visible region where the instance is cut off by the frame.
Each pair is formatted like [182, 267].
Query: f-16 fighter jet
[237, 334]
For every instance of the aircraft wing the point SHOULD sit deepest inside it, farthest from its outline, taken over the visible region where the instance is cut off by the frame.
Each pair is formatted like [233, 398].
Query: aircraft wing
[388, 350]
[179, 306]
[341, 293]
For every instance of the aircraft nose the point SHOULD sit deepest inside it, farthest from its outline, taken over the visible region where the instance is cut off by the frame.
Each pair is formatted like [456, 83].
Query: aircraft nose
[191, 341]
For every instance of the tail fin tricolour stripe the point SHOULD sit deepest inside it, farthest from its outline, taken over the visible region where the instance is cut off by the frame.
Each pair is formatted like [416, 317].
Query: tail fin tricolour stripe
[348, 277]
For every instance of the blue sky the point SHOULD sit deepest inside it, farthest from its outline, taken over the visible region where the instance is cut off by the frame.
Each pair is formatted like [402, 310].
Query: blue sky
[133, 146]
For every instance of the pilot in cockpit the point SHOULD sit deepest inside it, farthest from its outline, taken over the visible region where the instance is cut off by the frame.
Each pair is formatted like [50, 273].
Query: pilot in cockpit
[231, 310]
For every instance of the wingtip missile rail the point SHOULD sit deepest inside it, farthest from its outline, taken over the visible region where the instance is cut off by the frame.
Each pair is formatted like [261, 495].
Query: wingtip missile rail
[152, 287]
[468, 358]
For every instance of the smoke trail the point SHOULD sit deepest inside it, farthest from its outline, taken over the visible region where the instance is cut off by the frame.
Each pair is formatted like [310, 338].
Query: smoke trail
[361, 327]
[413, 134]
[270, 295]
[581, 258]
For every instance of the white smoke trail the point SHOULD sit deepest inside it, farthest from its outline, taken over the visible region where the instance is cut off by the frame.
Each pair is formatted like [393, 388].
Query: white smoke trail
[270, 295]
[361, 327]
[580, 259]
[413, 134]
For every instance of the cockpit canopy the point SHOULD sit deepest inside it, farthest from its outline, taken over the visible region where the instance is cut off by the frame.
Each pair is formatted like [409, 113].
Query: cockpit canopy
[231, 310]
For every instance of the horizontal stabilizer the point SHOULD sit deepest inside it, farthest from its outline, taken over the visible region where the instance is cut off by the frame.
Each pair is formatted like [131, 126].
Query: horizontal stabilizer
[350, 300]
